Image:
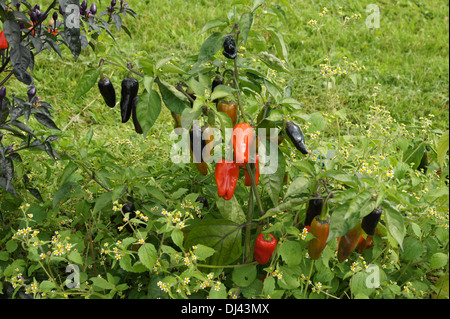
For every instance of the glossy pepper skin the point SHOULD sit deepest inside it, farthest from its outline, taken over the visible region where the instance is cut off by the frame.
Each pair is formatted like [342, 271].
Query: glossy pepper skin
[130, 88]
[231, 109]
[107, 91]
[229, 47]
[313, 209]
[348, 243]
[320, 229]
[369, 222]
[226, 175]
[137, 125]
[248, 181]
[365, 244]
[264, 248]
[218, 80]
[242, 141]
[296, 135]
[3, 41]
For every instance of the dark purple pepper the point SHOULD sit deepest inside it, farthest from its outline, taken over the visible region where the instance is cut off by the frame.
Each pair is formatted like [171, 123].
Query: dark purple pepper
[2, 93]
[110, 9]
[36, 7]
[113, 3]
[93, 9]
[31, 93]
[55, 16]
[33, 17]
[18, 5]
[84, 5]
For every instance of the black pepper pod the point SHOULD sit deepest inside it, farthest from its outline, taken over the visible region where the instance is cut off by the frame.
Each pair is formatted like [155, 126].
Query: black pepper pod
[229, 47]
[296, 135]
[130, 88]
[137, 126]
[369, 223]
[313, 209]
[106, 89]
[195, 135]
[218, 80]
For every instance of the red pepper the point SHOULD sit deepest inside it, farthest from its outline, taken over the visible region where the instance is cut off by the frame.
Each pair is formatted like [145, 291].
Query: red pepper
[242, 141]
[248, 182]
[226, 175]
[264, 248]
[3, 41]
[320, 229]
[365, 244]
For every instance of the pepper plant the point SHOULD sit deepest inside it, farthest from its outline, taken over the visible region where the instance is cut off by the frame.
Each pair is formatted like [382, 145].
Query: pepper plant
[193, 228]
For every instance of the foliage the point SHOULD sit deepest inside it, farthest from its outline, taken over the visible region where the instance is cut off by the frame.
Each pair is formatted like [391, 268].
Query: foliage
[174, 245]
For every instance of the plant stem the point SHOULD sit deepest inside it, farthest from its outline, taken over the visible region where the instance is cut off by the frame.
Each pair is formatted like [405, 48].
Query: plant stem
[255, 189]
[248, 230]
[227, 266]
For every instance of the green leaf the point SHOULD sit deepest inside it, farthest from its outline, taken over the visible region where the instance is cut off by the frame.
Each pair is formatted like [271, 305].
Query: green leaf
[222, 235]
[177, 237]
[75, 257]
[257, 4]
[102, 283]
[62, 192]
[147, 255]
[273, 182]
[148, 110]
[173, 99]
[358, 203]
[298, 186]
[273, 62]
[213, 24]
[438, 260]
[442, 148]
[245, 24]
[277, 38]
[86, 82]
[244, 276]
[210, 47]
[289, 251]
[412, 249]
[231, 210]
[222, 91]
[101, 202]
[202, 252]
[395, 223]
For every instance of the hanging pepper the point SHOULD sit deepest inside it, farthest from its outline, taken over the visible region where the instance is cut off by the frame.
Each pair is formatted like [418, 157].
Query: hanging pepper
[106, 89]
[137, 125]
[248, 181]
[177, 119]
[3, 41]
[365, 243]
[130, 88]
[231, 109]
[369, 222]
[320, 228]
[264, 247]
[218, 80]
[242, 141]
[348, 243]
[229, 47]
[226, 175]
[313, 209]
[296, 135]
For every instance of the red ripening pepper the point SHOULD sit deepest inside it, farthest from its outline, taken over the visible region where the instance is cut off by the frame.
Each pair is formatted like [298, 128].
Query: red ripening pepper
[264, 248]
[320, 229]
[3, 41]
[248, 182]
[242, 141]
[348, 243]
[226, 175]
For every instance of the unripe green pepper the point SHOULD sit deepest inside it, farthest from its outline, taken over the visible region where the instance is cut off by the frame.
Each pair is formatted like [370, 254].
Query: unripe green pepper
[107, 91]
[130, 88]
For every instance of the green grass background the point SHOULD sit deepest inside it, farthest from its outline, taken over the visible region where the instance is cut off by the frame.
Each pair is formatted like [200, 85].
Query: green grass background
[408, 55]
